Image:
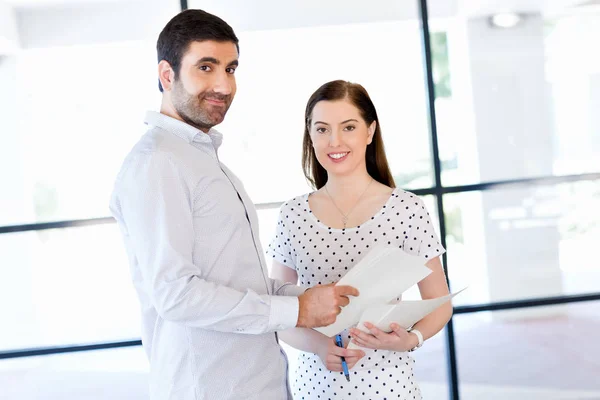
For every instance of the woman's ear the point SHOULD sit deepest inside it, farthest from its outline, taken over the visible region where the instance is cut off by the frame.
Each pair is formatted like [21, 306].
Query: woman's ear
[371, 131]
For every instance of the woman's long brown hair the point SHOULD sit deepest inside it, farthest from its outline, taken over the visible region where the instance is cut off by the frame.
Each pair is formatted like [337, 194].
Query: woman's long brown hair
[377, 165]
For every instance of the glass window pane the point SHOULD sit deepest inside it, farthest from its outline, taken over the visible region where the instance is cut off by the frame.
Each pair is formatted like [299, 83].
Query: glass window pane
[525, 354]
[519, 102]
[77, 90]
[523, 243]
[66, 286]
[279, 70]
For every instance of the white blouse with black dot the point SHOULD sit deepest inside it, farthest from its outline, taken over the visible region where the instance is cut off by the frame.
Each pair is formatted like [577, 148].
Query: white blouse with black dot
[322, 255]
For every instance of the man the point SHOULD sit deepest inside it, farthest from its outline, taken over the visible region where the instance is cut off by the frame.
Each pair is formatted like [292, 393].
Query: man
[209, 310]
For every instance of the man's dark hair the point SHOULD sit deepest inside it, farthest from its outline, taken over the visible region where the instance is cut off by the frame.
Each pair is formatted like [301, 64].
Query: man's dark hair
[187, 27]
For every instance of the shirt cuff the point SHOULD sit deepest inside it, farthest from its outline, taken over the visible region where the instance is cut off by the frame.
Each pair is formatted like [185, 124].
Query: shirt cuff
[284, 312]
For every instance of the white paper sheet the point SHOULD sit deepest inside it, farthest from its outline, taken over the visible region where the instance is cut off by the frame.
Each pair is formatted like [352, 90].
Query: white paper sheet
[404, 313]
[382, 275]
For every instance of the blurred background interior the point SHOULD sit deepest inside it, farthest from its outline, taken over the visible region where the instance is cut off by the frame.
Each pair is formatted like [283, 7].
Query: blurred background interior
[505, 151]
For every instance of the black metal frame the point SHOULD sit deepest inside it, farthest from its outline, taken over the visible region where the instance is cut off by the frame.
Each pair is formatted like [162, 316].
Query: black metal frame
[70, 348]
[183, 4]
[437, 168]
[438, 190]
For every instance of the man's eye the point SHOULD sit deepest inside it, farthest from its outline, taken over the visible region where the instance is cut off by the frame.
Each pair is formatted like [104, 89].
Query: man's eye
[231, 71]
[204, 68]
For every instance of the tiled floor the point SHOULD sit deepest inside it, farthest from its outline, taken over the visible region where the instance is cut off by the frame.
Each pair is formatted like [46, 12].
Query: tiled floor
[488, 392]
[561, 352]
[118, 374]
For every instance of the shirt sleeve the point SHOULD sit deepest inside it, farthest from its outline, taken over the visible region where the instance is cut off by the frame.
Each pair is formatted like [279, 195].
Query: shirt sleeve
[422, 239]
[280, 248]
[156, 211]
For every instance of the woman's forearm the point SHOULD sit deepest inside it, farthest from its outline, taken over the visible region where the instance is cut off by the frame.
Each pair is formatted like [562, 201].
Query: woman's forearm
[304, 339]
[434, 322]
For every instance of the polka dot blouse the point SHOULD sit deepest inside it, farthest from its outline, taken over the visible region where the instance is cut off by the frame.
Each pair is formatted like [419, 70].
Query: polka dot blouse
[322, 255]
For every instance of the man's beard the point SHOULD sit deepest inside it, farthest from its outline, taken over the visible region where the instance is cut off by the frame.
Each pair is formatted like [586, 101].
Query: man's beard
[194, 111]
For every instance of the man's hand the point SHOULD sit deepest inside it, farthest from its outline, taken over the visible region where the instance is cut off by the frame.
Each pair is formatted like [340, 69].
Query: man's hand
[320, 305]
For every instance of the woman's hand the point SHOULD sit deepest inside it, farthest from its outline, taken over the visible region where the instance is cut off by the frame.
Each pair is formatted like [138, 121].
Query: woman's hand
[331, 355]
[397, 340]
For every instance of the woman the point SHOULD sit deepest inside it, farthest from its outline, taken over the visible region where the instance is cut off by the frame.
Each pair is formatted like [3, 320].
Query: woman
[322, 235]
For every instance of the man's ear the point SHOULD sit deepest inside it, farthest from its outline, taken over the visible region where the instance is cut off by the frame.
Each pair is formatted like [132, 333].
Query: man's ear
[166, 75]
[371, 131]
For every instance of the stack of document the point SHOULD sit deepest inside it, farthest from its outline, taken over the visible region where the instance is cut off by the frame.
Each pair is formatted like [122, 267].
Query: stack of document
[381, 277]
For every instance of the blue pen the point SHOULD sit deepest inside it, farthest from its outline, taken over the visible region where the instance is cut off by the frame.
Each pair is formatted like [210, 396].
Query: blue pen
[338, 342]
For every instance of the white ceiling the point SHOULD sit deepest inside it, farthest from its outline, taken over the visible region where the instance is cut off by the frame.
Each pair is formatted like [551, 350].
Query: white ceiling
[463, 7]
[45, 18]
[488, 7]
[20, 4]
[287, 14]
[274, 14]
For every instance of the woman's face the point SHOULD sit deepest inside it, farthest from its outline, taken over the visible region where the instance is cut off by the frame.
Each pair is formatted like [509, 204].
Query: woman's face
[340, 137]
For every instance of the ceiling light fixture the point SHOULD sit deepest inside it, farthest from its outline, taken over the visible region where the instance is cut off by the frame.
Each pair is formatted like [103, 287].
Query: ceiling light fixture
[505, 20]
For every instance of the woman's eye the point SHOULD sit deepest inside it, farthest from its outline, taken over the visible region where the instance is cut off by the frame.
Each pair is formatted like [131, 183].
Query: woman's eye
[350, 128]
[321, 130]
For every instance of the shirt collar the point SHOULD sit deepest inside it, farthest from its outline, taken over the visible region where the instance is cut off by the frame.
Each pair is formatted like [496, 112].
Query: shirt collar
[183, 130]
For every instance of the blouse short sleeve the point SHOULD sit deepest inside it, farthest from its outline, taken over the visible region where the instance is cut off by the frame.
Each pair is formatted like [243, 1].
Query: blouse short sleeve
[280, 248]
[422, 240]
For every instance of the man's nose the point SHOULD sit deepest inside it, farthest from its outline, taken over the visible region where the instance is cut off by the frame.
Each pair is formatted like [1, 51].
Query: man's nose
[223, 84]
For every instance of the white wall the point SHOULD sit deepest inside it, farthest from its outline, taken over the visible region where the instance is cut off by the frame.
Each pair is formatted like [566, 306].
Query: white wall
[8, 30]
